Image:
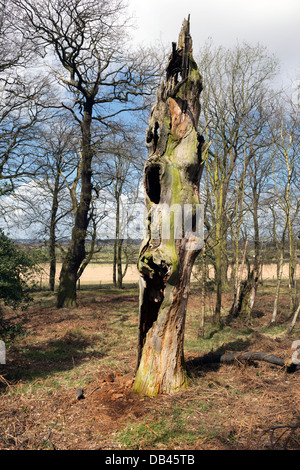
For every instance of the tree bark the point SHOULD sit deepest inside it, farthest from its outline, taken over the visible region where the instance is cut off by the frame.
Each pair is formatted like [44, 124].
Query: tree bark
[278, 283]
[280, 259]
[171, 179]
[52, 235]
[76, 253]
[257, 264]
[243, 356]
[239, 280]
[118, 274]
[119, 264]
[203, 292]
[118, 245]
[246, 291]
[116, 240]
[295, 316]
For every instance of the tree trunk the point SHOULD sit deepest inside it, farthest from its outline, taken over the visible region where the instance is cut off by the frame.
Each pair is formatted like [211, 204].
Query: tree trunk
[115, 264]
[257, 264]
[295, 317]
[278, 283]
[171, 179]
[116, 240]
[118, 245]
[280, 259]
[52, 234]
[239, 279]
[203, 292]
[119, 263]
[245, 295]
[76, 253]
[218, 279]
[292, 260]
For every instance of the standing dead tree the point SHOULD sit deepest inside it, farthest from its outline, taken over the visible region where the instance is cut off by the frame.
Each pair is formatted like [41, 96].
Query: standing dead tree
[172, 174]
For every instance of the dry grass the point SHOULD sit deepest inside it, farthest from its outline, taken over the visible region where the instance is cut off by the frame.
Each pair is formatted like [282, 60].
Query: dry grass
[101, 273]
[228, 406]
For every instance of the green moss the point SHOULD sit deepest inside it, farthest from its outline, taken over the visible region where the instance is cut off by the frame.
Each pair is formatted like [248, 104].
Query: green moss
[167, 121]
[176, 184]
[144, 262]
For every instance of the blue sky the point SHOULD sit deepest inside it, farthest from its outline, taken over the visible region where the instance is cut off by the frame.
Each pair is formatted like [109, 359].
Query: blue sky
[272, 23]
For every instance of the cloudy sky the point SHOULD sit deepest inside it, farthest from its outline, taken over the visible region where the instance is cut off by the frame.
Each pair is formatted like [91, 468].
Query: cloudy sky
[273, 23]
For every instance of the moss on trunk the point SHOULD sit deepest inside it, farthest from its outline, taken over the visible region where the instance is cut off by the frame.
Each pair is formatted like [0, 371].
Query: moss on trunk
[171, 179]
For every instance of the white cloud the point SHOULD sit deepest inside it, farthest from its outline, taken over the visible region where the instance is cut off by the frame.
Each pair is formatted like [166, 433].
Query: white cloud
[273, 23]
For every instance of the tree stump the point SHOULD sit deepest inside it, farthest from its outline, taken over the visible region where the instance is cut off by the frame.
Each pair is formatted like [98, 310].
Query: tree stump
[172, 175]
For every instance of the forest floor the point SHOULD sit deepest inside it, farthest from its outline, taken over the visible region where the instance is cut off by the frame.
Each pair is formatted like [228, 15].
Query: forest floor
[237, 406]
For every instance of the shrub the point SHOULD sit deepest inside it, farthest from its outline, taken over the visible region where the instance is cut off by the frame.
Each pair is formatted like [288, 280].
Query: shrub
[16, 270]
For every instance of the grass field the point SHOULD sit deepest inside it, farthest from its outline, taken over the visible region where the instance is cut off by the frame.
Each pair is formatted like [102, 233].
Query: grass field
[251, 405]
[101, 273]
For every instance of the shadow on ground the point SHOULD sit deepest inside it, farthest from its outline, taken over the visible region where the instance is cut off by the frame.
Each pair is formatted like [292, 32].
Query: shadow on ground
[60, 354]
[209, 361]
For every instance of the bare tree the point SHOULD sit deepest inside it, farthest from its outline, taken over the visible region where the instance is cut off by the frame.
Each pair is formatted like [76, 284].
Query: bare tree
[22, 96]
[58, 164]
[279, 224]
[233, 120]
[101, 79]
[14, 49]
[125, 161]
[285, 131]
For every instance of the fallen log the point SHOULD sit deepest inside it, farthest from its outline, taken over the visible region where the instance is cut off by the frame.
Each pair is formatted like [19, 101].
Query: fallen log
[243, 356]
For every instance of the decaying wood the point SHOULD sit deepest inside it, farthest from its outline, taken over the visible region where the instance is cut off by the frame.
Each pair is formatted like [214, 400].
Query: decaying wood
[243, 356]
[171, 178]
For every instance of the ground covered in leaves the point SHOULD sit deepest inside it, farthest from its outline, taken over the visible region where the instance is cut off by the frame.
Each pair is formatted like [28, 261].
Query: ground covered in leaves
[238, 406]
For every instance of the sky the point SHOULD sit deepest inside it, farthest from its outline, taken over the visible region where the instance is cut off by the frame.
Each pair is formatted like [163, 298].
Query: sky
[272, 23]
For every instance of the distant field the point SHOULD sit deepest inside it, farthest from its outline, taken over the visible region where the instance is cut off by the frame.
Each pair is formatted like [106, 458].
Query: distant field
[97, 273]
[93, 274]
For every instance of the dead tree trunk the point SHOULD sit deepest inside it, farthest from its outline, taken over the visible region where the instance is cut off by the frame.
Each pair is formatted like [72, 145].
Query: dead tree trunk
[228, 357]
[171, 179]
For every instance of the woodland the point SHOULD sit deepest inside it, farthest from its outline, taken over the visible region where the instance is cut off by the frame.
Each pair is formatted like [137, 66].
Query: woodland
[189, 342]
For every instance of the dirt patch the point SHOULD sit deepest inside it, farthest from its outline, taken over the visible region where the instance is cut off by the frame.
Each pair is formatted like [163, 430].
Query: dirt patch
[113, 393]
[107, 404]
[58, 420]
